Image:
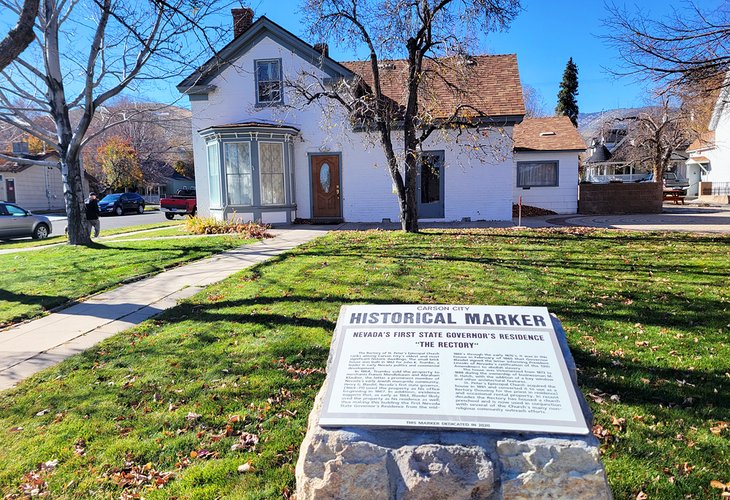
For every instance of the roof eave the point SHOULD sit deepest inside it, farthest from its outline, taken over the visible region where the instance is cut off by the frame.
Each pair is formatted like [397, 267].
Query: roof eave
[259, 29]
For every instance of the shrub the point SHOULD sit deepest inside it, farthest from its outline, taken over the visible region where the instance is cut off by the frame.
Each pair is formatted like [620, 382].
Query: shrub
[211, 225]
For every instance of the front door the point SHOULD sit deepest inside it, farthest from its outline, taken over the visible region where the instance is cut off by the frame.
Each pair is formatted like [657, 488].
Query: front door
[10, 190]
[326, 187]
[430, 184]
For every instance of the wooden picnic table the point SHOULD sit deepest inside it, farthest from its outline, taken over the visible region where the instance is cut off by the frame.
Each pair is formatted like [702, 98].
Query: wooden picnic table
[675, 195]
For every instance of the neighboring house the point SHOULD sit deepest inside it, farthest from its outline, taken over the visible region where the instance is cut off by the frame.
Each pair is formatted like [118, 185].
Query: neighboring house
[709, 155]
[162, 180]
[35, 187]
[546, 154]
[260, 154]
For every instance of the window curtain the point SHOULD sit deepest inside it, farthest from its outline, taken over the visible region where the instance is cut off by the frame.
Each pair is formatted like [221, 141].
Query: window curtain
[237, 159]
[537, 174]
[271, 164]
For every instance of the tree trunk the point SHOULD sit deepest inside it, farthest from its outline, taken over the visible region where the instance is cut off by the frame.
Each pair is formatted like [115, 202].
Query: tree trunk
[79, 232]
[409, 207]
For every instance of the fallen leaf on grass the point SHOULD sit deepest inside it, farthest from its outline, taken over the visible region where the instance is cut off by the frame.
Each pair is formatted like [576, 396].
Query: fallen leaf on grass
[718, 484]
[243, 468]
[80, 447]
[641, 496]
[42, 412]
[719, 427]
[133, 478]
[246, 442]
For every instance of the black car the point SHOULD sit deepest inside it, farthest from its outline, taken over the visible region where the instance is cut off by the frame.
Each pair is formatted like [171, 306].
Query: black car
[119, 203]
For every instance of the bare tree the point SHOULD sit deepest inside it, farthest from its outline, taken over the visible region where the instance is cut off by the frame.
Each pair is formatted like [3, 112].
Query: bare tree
[655, 134]
[21, 35]
[534, 103]
[433, 36]
[55, 90]
[684, 48]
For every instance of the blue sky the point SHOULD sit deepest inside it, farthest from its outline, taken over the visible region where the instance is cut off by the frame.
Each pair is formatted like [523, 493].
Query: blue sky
[543, 36]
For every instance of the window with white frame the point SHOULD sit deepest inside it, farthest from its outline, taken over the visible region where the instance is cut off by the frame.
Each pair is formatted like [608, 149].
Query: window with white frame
[239, 172]
[214, 176]
[537, 173]
[271, 167]
[268, 81]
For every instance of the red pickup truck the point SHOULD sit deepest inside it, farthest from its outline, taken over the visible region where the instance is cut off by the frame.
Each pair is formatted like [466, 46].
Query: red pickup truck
[182, 203]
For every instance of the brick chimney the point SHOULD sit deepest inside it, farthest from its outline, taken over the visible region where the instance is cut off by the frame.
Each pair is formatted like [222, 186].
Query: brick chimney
[322, 48]
[242, 20]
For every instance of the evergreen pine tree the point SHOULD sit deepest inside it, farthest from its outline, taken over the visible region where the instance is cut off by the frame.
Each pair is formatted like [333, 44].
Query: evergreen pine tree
[567, 104]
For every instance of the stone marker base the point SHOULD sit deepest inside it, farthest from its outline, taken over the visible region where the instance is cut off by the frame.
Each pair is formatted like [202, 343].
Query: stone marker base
[357, 463]
[353, 463]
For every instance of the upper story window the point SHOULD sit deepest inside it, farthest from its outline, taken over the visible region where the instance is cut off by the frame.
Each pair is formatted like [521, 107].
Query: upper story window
[268, 81]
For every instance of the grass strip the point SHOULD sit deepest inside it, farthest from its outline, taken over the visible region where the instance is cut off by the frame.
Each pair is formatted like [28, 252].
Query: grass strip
[34, 282]
[61, 238]
[172, 407]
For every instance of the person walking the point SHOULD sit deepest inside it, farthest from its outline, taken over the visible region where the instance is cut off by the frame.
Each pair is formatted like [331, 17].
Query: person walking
[92, 214]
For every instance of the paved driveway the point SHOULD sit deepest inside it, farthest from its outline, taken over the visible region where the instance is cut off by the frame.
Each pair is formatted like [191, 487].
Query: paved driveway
[681, 218]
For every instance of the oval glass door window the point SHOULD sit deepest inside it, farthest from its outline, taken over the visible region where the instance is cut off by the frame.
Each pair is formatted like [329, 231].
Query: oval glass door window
[325, 179]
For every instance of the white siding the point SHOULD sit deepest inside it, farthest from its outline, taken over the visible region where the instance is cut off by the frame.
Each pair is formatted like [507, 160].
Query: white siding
[479, 189]
[563, 198]
[720, 156]
[36, 188]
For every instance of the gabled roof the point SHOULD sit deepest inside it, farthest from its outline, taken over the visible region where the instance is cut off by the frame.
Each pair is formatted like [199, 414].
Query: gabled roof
[199, 81]
[488, 85]
[705, 141]
[555, 133]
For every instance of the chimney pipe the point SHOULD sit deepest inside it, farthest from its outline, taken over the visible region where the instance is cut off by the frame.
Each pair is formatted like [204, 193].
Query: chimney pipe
[242, 20]
[322, 48]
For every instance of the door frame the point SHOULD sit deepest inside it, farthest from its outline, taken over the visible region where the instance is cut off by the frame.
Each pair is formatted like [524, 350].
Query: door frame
[15, 193]
[441, 154]
[310, 156]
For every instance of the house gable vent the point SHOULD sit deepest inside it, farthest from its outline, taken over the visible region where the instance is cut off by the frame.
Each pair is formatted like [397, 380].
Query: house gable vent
[546, 134]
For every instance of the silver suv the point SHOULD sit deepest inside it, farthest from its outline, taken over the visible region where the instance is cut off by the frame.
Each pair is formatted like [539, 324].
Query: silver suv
[16, 222]
[672, 180]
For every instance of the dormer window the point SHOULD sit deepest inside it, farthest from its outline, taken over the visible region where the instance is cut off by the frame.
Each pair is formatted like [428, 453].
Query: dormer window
[268, 81]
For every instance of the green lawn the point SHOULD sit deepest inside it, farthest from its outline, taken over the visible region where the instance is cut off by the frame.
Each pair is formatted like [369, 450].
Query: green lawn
[178, 230]
[238, 365]
[61, 238]
[33, 282]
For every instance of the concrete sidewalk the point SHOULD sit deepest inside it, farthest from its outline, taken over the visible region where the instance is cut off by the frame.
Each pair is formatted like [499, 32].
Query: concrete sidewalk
[30, 347]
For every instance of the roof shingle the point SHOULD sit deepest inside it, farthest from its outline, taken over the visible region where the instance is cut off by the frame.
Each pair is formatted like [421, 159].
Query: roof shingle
[489, 84]
[555, 133]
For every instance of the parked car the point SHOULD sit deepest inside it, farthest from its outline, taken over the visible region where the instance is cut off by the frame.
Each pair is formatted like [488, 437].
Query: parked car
[16, 222]
[674, 181]
[670, 180]
[182, 203]
[119, 203]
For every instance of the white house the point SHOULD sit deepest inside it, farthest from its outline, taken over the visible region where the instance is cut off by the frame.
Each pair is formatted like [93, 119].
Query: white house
[261, 154]
[546, 154]
[34, 187]
[709, 155]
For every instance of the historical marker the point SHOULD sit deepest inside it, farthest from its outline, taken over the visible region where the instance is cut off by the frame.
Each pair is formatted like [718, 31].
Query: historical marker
[465, 367]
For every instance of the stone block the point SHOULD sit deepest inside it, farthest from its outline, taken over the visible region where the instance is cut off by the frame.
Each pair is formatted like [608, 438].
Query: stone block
[361, 463]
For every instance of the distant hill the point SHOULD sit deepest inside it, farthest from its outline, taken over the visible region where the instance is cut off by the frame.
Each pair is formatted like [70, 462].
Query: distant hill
[589, 124]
